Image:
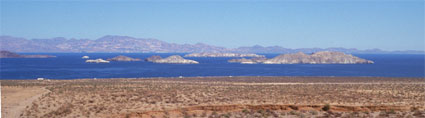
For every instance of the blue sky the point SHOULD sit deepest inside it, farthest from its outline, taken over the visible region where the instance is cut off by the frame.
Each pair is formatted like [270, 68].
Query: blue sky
[388, 25]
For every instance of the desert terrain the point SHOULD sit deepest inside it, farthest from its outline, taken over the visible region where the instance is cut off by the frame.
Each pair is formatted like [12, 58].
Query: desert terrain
[223, 97]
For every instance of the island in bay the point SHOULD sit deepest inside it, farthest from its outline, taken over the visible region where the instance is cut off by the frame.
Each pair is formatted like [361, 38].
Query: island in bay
[97, 61]
[222, 55]
[8, 54]
[175, 59]
[323, 57]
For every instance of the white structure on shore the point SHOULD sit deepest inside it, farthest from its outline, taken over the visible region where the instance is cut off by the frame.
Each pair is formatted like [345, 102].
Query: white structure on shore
[96, 61]
[85, 57]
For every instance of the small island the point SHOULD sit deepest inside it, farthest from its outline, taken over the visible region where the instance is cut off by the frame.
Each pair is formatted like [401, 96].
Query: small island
[123, 58]
[175, 59]
[8, 54]
[324, 57]
[222, 55]
[97, 61]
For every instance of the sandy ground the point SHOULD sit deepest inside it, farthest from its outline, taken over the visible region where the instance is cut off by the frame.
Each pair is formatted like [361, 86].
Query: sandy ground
[216, 97]
[14, 100]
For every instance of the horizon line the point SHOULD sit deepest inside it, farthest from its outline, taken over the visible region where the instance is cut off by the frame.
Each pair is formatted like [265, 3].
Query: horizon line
[200, 43]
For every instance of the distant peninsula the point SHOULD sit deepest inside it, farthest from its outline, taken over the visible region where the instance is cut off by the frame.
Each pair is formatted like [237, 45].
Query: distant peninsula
[8, 54]
[323, 57]
[222, 55]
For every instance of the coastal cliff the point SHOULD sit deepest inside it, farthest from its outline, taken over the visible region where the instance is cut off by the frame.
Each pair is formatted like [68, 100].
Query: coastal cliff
[221, 55]
[176, 59]
[7, 54]
[123, 58]
[323, 57]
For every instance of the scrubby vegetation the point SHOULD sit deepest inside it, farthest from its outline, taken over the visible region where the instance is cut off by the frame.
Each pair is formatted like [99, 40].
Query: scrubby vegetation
[229, 97]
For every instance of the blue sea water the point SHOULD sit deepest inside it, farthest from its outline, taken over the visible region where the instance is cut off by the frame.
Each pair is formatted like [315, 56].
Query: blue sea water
[71, 66]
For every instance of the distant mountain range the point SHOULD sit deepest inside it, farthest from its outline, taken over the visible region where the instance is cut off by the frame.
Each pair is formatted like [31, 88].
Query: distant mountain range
[125, 44]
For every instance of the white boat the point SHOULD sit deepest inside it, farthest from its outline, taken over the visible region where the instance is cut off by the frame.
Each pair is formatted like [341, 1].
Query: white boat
[85, 57]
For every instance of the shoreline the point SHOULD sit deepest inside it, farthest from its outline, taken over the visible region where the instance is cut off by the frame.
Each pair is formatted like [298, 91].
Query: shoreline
[220, 77]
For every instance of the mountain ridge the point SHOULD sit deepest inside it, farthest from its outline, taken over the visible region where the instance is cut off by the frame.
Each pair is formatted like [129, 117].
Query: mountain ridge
[127, 44]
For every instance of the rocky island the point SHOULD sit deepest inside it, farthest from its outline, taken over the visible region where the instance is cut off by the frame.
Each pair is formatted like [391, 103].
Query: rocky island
[176, 59]
[222, 55]
[7, 54]
[96, 61]
[123, 58]
[324, 57]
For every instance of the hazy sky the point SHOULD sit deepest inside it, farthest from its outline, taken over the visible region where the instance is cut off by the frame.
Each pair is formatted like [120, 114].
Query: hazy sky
[388, 25]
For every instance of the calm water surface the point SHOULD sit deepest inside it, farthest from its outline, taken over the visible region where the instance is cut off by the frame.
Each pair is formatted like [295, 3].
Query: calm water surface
[71, 66]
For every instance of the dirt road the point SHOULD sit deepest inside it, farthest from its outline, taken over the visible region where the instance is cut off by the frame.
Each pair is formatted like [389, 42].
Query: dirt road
[14, 100]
